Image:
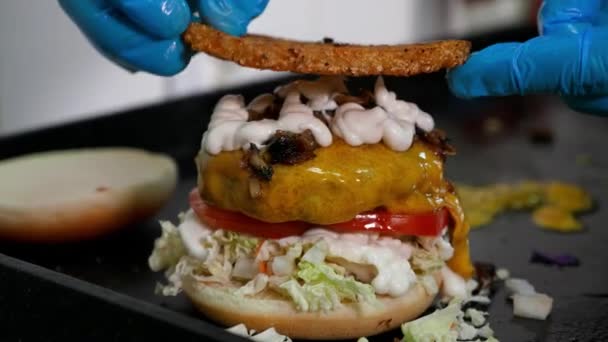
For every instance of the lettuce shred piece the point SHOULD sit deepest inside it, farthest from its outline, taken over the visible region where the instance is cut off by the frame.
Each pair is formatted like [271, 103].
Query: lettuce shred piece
[425, 262]
[440, 326]
[323, 289]
[236, 245]
[168, 248]
[174, 274]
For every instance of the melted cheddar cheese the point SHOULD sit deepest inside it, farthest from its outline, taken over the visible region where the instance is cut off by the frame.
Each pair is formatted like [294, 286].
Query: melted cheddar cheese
[340, 182]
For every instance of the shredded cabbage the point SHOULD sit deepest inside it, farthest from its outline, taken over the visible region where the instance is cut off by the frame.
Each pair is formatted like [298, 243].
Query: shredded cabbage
[449, 324]
[436, 327]
[425, 262]
[307, 271]
[324, 289]
[234, 245]
[430, 284]
[317, 253]
[168, 248]
[185, 266]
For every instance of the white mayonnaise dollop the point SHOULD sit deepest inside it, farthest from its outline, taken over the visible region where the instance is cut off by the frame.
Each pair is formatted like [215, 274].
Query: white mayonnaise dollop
[389, 256]
[392, 121]
[192, 233]
[229, 129]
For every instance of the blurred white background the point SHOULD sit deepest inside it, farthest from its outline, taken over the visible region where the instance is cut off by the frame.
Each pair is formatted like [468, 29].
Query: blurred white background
[49, 73]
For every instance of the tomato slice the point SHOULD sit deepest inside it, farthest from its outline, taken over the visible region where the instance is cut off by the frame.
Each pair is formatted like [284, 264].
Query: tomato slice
[377, 221]
[383, 222]
[230, 220]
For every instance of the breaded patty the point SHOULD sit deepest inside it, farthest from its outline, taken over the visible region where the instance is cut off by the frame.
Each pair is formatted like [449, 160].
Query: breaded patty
[263, 52]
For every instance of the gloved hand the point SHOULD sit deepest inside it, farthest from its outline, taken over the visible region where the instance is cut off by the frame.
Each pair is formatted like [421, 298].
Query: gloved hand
[145, 34]
[569, 58]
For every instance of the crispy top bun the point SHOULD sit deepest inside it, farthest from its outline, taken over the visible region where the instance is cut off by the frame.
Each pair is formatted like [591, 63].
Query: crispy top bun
[263, 52]
[220, 304]
[80, 194]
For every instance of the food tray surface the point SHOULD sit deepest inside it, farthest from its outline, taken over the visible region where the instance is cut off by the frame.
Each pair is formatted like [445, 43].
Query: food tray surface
[103, 290]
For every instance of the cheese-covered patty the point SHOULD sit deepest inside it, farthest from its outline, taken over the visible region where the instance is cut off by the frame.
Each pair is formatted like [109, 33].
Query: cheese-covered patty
[340, 182]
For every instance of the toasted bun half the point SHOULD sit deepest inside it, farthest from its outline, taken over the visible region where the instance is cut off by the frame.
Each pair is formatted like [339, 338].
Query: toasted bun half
[80, 194]
[221, 305]
[327, 58]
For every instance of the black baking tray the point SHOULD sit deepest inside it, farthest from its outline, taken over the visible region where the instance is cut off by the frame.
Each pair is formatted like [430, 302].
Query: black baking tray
[102, 290]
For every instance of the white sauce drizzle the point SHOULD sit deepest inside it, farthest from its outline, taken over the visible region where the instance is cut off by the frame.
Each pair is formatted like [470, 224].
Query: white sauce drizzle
[320, 93]
[392, 121]
[453, 286]
[389, 256]
[193, 233]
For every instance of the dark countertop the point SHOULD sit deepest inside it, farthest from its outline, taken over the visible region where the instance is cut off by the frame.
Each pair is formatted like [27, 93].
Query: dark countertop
[118, 262]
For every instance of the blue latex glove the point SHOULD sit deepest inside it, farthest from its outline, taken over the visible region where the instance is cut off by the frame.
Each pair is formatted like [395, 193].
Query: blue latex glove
[569, 58]
[145, 34]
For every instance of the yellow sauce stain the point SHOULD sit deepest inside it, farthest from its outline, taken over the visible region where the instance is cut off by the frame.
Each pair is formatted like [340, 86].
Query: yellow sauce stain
[554, 204]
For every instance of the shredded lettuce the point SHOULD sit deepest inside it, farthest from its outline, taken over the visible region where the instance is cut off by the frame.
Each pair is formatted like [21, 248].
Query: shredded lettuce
[436, 327]
[300, 270]
[425, 262]
[317, 253]
[430, 284]
[323, 289]
[168, 248]
[449, 324]
[235, 245]
[226, 250]
[186, 266]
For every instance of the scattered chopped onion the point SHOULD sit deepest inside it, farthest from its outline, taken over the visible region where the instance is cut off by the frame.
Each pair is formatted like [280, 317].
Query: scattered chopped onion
[485, 331]
[502, 274]
[466, 331]
[477, 317]
[519, 286]
[286, 264]
[239, 329]
[472, 284]
[479, 299]
[268, 335]
[244, 268]
[535, 306]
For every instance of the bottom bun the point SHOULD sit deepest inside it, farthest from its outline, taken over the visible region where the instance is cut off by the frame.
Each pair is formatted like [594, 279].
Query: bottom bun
[352, 320]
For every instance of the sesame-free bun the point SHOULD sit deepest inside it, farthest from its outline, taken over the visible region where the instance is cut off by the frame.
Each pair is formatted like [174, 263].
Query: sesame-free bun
[82, 193]
[220, 304]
